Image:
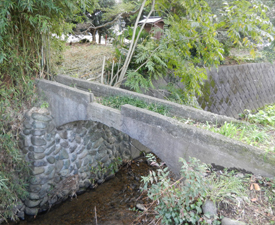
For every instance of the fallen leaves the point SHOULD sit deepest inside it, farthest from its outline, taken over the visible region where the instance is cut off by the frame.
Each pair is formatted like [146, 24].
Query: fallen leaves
[255, 186]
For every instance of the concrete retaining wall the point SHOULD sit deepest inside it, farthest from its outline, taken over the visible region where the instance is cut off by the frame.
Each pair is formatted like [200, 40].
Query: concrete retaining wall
[230, 90]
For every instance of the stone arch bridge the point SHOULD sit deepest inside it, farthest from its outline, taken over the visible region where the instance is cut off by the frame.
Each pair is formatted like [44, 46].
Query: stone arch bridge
[76, 134]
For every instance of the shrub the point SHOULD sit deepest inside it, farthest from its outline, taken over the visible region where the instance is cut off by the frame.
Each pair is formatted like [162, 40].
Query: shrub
[178, 202]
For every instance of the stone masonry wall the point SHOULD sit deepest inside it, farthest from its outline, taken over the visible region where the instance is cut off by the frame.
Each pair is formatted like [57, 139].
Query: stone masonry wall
[230, 90]
[68, 159]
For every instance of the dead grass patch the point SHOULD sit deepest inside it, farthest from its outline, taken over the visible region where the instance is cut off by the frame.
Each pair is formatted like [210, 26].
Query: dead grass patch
[85, 60]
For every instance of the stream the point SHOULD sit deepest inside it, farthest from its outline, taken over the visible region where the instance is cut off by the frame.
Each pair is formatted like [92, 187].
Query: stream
[108, 204]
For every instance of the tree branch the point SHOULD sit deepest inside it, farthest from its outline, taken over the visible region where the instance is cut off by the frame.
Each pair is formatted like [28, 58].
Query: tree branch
[134, 42]
[124, 14]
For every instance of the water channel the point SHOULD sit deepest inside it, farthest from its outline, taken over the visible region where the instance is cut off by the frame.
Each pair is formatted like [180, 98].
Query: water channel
[108, 204]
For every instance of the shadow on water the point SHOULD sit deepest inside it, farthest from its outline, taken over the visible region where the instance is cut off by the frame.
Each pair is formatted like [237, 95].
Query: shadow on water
[111, 201]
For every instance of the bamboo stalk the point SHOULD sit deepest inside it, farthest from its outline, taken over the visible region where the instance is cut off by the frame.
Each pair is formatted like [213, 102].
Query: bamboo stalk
[112, 73]
[134, 43]
[103, 65]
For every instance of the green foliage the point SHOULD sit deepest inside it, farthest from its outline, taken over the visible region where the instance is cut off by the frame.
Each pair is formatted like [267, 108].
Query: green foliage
[265, 116]
[26, 30]
[228, 129]
[27, 50]
[112, 12]
[191, 41]
[226, 187]
[14, 169]
[154, 65]
[44, 105]
[246, 22]
[101, 171]
[117, 101]
[178, 202]
[249, 134]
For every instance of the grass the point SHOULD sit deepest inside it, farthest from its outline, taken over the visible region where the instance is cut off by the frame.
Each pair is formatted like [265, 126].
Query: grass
[84, 61]
[14, 170]
[255, 135]
[237, 195]
[117, 101]
[258, 132]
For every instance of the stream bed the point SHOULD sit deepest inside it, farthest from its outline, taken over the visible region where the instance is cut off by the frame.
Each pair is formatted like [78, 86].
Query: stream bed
[111, 203]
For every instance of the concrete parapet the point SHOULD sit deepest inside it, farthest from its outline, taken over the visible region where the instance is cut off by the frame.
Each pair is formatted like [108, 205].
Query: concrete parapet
[170, 139]
[67, 104]
[174, 108]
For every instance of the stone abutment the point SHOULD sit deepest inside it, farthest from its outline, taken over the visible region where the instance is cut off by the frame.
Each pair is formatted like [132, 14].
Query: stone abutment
[70, 158]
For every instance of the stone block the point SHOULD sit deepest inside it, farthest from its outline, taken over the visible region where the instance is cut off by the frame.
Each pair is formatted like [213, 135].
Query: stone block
[31, 211]
[63, 154]
[34, 196]
[64, 144]
[71, 136]
[51, 159]
[72, 148]
[105, 159]
[27, 131]
[66, 164]
[86, 140]
[89, 145]
[64, 173]
[37, 141]
[37, 149]
[38, 132]
[35, 180]
[39, 163]
[38, 156]
[44, 201]
[39, 125]
[63, 134]
[83, 154]
[49, 137]
[50, 128]
[51, 143]
[35, 188]
[49, 150]
[73, 157]
[57, 150]
[41, 117]
[78, 139]
[58, 165]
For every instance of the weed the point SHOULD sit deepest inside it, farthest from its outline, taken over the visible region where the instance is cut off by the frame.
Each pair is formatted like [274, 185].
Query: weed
[44, 105]
[117, 101]
[101, 171]
[178, 202]
[14, 169]
[226, 187]
[265, 116]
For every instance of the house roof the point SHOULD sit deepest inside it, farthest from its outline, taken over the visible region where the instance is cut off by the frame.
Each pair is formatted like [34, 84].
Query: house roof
[151, 20]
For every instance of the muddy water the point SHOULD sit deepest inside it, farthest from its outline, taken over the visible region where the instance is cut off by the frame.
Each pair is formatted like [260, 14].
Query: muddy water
[110, 202]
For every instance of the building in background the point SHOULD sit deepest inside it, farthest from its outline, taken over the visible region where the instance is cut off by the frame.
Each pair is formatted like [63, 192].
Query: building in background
[154, 24]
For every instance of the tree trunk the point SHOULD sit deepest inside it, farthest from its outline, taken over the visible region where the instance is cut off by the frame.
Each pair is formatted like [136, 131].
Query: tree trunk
[94, 36]
[99, 37]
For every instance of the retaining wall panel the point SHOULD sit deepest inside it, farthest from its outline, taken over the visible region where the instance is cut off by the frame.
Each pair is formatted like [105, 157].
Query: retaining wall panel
[250, 81]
